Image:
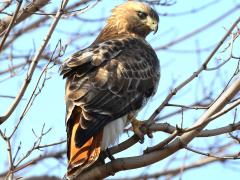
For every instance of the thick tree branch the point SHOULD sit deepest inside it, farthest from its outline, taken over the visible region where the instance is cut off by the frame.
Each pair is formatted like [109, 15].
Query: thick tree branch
[176, 171]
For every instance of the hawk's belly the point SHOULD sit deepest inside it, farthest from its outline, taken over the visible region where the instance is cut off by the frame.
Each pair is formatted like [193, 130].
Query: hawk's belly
[112, 131]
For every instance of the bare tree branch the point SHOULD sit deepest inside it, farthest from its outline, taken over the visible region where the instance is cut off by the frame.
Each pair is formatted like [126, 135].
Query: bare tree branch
[200, 96]
[155, 156]
[34, 63]
[10, 25]
[23, 14]
[194, 75]
[180, 39]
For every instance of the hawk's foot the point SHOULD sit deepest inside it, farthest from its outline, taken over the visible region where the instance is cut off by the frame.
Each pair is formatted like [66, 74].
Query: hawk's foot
[140, 128]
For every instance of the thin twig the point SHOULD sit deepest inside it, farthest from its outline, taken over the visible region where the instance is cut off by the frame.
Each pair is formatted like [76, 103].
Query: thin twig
[34, 63]
[186, 36]
[194, 75]
[10, 24]
[235, 156]
[24, 13]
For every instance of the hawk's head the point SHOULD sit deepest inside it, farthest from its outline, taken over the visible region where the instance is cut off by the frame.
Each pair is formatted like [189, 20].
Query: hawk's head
[134, 17]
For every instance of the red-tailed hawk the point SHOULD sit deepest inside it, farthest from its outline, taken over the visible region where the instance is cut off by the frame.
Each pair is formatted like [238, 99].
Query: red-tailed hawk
[108, 82]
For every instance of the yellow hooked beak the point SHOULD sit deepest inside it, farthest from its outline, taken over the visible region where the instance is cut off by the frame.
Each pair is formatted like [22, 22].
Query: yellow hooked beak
[152, 24]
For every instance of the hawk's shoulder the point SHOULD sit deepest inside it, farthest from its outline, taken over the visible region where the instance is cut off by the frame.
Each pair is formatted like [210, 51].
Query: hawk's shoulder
[87, 59]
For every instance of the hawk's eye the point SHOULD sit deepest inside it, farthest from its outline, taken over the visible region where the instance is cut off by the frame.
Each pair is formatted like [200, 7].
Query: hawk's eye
[142, 15]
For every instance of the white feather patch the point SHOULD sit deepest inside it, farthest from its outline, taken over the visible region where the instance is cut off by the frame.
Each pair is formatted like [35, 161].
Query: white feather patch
[112, 131]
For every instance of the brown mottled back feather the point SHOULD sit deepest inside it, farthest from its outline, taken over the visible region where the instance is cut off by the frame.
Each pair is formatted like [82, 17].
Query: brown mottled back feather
[113, 87]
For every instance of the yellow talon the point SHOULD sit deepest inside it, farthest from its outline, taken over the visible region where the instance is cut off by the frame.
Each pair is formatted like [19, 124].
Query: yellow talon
[137, 127]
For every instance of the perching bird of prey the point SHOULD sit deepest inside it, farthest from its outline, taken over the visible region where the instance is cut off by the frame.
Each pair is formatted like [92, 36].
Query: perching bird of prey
[108, 83]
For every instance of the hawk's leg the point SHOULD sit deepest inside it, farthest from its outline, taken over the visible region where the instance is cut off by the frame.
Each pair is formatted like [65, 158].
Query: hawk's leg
[109, 155]
[140, 128]
[104, 155]
[137, 129]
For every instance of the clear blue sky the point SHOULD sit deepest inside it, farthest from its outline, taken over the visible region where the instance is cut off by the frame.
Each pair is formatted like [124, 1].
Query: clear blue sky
[49, 107]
